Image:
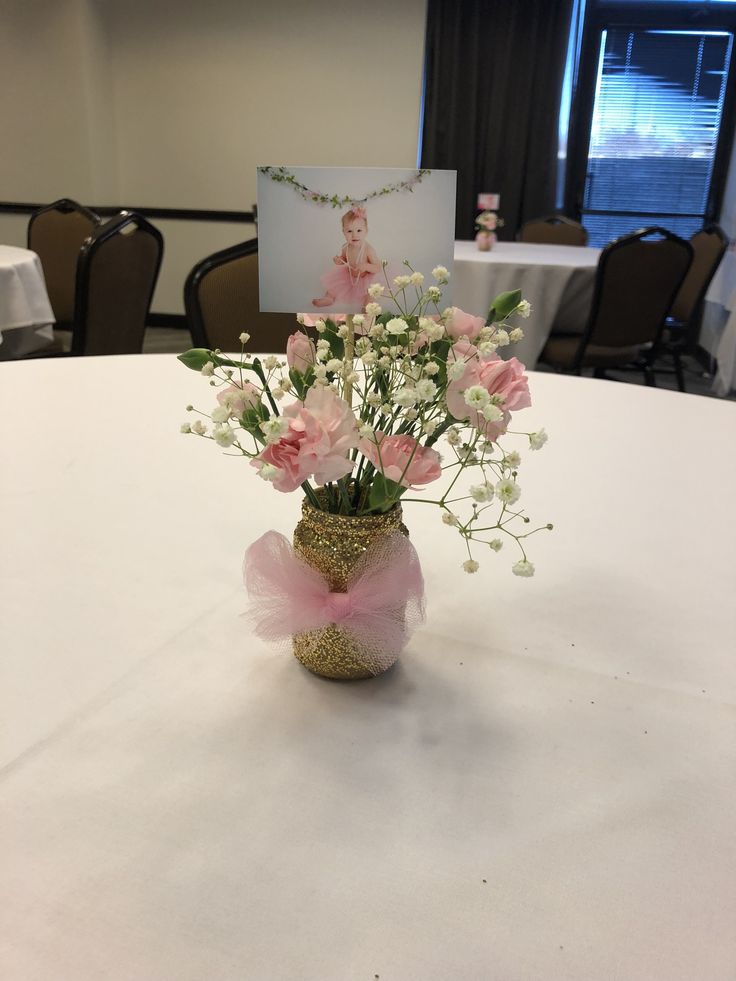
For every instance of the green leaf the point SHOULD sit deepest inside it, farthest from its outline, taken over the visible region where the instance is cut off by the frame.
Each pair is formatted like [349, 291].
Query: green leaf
[195, 358]
[503, 305]
[337, 345]
[297, 380]
[384, 493]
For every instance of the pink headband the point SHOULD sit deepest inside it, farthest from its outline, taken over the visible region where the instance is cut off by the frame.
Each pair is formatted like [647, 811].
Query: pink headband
[359, 213]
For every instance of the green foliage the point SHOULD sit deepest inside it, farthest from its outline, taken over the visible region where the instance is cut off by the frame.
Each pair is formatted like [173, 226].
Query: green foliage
[384, 493]
[196, 358]
[503, 305]
[302, 382]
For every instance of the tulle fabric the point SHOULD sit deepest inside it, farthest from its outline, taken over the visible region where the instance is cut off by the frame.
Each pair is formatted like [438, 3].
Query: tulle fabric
[338, 283]
[382, 606]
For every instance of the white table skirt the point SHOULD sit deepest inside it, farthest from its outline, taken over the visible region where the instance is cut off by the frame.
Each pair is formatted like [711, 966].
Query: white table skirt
[26, 316]
[722, 292]
[556, 279]
[543, 787]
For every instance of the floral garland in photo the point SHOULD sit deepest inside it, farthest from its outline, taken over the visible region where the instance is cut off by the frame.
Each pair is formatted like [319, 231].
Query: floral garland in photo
[283, 176]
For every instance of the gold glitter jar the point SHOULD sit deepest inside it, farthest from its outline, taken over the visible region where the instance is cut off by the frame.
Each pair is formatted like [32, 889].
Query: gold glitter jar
[332, 544]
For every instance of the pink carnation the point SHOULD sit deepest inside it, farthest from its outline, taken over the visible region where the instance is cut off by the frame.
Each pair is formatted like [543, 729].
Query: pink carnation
[321, 432]
[461, 324]
[402, 459]
[504, 379]
[300, 351]
[238, 398]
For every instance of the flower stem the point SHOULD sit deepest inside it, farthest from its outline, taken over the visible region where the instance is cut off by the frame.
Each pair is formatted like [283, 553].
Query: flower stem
[311, 496]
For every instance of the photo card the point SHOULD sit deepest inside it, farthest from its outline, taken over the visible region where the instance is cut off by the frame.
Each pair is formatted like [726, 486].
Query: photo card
[325, 234]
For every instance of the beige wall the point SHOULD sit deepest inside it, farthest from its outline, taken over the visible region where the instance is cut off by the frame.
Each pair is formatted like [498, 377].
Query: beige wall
[173, 103]
[43, 112]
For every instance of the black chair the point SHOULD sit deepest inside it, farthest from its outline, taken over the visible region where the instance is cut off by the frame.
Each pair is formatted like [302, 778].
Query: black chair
[682, 327]
[116, 276]
[221, 301]
[637, 279]
[56, 234]
[553, 230]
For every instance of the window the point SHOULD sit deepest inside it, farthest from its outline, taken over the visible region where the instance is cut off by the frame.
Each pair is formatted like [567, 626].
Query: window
[657, 112]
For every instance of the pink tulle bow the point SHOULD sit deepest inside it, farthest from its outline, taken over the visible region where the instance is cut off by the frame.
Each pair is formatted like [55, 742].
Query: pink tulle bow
[384, 601]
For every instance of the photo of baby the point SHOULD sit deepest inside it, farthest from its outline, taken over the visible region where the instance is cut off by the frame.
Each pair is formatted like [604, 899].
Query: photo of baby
[357, 264]
[325, 234]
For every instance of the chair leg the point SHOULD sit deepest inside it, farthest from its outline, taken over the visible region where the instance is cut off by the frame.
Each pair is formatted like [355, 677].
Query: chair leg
[679, 372]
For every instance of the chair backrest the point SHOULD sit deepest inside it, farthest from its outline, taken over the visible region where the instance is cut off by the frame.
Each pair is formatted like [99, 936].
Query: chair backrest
[221, 301]
[116, 277]
[553, 230]
[56, 234]
[709, 245]
[637, 277]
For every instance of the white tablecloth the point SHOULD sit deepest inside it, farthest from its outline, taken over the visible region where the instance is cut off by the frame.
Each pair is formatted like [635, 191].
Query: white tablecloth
[722, 292]
[556, 279]
[543, 788]
[25, 312]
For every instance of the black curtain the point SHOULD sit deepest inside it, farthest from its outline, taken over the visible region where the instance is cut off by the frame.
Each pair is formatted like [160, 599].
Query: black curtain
[494, 72]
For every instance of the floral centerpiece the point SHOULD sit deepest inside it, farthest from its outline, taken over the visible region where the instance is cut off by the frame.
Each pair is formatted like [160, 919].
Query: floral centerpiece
[486, 224]
[353, 418]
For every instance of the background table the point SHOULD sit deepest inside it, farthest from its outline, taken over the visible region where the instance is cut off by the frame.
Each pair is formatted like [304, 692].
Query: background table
[722, 293]
[542, 788]
[556, 279]
[25, 312]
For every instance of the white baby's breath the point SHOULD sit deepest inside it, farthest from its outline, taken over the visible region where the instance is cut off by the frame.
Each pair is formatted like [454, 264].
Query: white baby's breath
[441, 274]
[524, 309]
[523, 568]
[476, 397]
[401, 282]
[538, 439]
[508, 491]
[470, 565]
[199, 427]
[492, 413]
[273, 429]
[221, 413]
[482, 492]
[373, 309]
[425, 389]
[416, 279]
[223, 435]
[208, 369]
[396, 326]
[375, 290]
[405, 396]
[268, 472]
[455, 370]
[244, 338]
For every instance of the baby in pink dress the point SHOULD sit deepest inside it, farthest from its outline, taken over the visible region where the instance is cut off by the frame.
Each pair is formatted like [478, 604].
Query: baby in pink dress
[357, 265]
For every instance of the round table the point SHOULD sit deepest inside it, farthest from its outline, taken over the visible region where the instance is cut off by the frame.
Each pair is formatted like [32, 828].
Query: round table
[556, 279]
[542, 788]
[26, 316]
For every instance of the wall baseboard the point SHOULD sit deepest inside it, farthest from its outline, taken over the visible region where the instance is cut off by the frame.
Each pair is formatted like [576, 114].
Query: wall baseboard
[176, 320]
